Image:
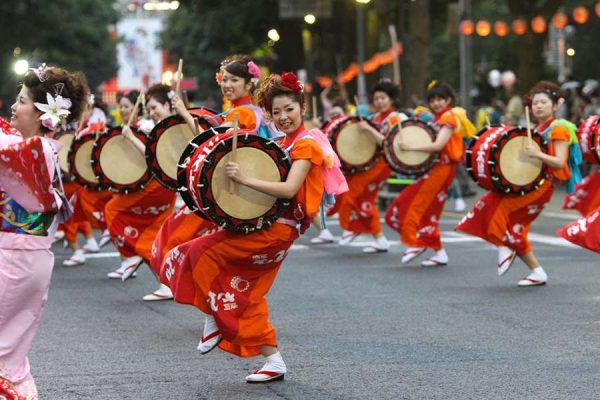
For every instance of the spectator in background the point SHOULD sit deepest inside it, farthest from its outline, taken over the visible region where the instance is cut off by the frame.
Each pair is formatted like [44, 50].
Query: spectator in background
[514, 104]
[334, 100]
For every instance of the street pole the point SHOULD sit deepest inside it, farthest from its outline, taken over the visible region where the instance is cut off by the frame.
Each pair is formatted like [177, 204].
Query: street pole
[360, 44]
[464, 11]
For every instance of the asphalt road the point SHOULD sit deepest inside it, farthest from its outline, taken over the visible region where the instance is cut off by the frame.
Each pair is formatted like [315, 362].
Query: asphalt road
[350, 326]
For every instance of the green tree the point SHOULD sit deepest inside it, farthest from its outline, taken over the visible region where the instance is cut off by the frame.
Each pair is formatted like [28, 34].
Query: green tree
[70, 33]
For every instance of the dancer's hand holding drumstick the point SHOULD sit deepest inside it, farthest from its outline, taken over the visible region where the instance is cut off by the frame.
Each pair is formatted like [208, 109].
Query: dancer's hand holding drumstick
[366, 127]
[128, 133]
[233, 159]
[530, 149]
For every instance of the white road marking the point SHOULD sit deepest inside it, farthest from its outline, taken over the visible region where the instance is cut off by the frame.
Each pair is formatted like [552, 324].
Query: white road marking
[570, 216]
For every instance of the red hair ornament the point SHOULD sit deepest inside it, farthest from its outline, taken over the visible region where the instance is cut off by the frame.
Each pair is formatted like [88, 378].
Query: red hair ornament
[290, 81]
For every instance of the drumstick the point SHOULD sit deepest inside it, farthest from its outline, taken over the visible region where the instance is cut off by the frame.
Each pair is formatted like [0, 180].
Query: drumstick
[358, 108]
[234, 149]
[197, 126]
[314, 107]
[135, 108]
[178, 78]
[487, 121]
[528, 123]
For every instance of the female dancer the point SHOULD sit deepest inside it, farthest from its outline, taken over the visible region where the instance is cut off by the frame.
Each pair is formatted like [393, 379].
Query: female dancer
[416, 211]
[505, 220]
[237, 78]
[49, 96]
[227, 275]
[134, 219]
[358, 207]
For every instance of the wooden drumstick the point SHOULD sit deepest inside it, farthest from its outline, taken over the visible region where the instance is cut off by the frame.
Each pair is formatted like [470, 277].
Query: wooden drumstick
[135, 109]
[83, 117]
[487, 121]
[234, 149]
[178, 78]
[528, 124]
[197, 126]
[314, 107]
[358, 108]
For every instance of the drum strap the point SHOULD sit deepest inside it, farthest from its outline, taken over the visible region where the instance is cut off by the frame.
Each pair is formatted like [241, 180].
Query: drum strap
[287, 221]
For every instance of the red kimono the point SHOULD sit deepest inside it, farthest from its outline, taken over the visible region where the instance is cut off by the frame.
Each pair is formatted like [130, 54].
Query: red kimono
[228, 275]
[584, 232]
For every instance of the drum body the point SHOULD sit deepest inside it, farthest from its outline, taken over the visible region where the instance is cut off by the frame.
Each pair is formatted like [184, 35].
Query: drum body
[207, 186]
[65, 137]
[167, 141]
[496, 160]
[118, 165]
[356, 149]
[588, 134]
[410, 163]
[80, 160]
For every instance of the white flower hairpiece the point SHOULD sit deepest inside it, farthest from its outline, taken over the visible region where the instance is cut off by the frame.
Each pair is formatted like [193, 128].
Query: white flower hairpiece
[55, 111]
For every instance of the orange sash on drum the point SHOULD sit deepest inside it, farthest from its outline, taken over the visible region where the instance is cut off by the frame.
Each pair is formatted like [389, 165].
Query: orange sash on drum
[505, 220]
[415, 213]
[134, 219]
[586, 196]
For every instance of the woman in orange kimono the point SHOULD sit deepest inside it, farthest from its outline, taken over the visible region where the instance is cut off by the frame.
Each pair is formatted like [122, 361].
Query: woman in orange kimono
[237, 78]
[134, 219]
[503, 219]
[357, 208]
[415, 213]
[227, 275]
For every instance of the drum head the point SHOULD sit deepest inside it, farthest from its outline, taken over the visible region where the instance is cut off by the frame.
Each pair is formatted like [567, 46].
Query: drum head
[245, 203]
[170, 146]
[355, 146]
[121, 162]
[412, 135]
[516, 167]
[66, 139]
[83, 164]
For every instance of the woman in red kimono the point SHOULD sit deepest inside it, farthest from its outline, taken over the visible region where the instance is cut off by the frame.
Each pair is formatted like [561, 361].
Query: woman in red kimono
[134, 219]
[227, 275]
[415, 213]
[357, 208]
[237, 78]
[503, 219]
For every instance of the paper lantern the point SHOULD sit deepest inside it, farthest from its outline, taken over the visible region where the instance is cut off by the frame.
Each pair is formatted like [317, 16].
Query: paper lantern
[598, 8]
[519, 26]
[483, 28]
[539, 24]
[467, 27]
[501, 28]
[560, 20]
[581, 14]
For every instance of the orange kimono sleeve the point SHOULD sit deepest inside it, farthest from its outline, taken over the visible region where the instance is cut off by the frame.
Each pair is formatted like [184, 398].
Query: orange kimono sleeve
[559, 134]
[311, 193]
[455, 147]
[246, 119]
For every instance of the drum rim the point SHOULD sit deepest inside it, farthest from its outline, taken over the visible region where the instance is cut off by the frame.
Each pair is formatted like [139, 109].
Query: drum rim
[182, 178]
[107, 183]
[56, 136]
[254, 224]
[332, 133]
[388, 154]
[77, 143]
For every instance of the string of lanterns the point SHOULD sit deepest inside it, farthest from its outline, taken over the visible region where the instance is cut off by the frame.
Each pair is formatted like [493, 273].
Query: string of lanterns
[519, 26]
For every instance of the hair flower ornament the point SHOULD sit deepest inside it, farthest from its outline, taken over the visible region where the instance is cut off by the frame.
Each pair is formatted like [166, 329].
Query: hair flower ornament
[254, 71]
[55, 111]
[290, 81]
[219, 77]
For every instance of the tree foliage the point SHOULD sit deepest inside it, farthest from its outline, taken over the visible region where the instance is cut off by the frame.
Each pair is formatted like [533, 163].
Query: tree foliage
[71, 34]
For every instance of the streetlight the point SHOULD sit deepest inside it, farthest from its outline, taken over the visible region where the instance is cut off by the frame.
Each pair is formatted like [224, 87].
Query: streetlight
[21, 66]
[310, 19]
[273, 35]
[360, 44]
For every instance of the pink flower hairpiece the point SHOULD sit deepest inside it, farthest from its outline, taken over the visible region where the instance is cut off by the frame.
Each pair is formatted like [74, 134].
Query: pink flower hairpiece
[254, 71]
[55, 111]
[290, 81]
[40, 72]
[219, 77]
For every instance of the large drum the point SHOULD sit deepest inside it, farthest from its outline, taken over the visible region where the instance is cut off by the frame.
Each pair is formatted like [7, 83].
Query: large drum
[65, 137]
[118, 164]
[496, 160]
[356, 149]
[207, 186]
[588, 134]
[411, 163]
[167, 141]
[80, 160]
